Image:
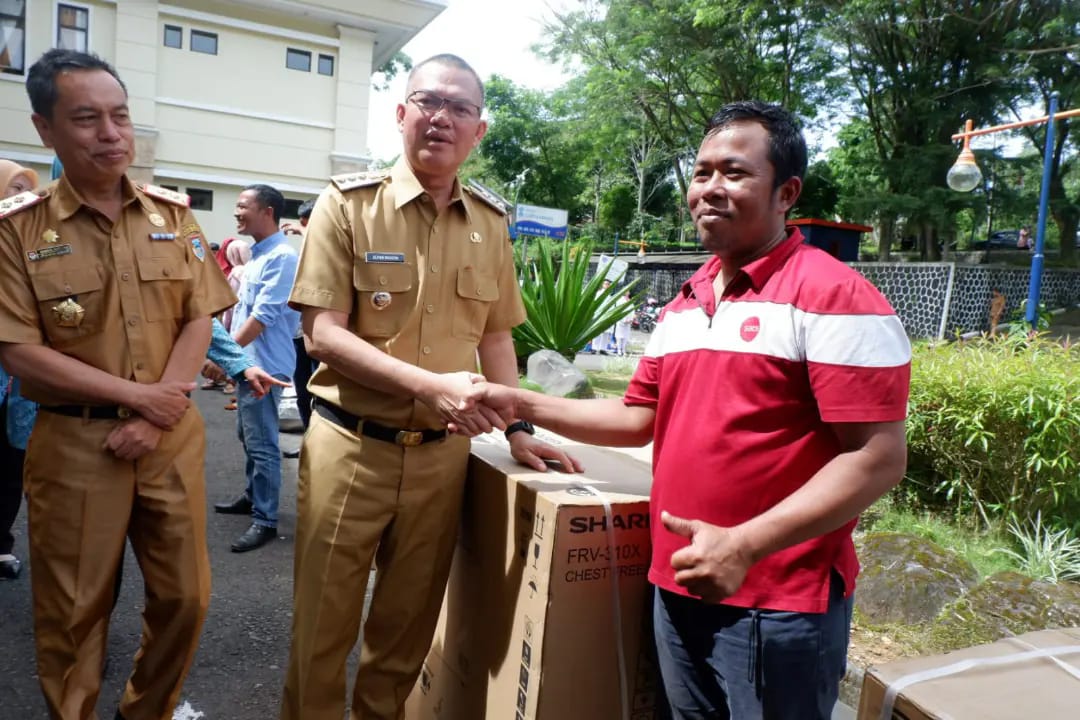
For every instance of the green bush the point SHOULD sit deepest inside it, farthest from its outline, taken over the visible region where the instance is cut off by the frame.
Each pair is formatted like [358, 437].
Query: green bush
[564, 311]
[993, 428]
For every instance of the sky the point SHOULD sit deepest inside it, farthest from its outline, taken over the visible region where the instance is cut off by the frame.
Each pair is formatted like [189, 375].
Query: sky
[493, 36]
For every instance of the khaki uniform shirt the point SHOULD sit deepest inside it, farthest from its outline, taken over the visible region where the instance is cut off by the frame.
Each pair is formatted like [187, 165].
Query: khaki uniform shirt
[421, 287]
[136, 281]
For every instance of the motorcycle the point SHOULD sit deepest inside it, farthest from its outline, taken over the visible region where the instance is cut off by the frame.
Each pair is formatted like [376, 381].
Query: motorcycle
[646, 315]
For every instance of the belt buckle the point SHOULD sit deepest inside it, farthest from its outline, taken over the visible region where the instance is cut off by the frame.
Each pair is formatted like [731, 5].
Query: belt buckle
[409, 438]
[123, 413]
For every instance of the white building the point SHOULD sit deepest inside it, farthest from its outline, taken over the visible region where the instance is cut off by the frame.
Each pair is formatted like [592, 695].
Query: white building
[223, 93]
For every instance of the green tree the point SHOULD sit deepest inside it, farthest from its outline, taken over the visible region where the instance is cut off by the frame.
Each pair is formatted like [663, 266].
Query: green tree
[1047, 44]
[918, 68]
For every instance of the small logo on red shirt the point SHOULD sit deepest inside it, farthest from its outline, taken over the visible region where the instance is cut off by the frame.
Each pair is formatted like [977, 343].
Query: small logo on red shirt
[750, 328]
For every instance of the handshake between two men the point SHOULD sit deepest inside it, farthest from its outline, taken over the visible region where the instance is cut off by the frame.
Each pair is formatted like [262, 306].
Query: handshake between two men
[471, 405]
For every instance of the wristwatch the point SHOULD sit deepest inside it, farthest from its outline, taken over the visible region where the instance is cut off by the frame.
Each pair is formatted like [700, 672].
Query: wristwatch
[522, 425]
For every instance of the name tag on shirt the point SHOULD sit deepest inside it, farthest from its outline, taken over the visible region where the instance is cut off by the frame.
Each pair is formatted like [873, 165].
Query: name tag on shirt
[378, 257]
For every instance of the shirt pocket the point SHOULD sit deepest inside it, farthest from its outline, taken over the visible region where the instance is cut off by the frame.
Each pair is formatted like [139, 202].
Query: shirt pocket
[476, 291]
[62, 295]
[385, 297]
[163, 283]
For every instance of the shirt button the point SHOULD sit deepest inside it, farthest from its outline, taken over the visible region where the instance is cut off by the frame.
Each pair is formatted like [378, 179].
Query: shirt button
[132, 322]
[166, 272]
[67, 289]
[434, 229]
[479, 292]
[382, 280]
[139, 366]
[427, 349]
[430, 309]
[125, 276]
[434, 268]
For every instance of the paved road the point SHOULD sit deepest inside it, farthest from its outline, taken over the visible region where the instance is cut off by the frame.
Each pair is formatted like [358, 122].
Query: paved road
[240, 666]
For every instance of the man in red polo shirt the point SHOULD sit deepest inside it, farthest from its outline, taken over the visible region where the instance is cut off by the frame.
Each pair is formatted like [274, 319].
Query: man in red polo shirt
[775, 389]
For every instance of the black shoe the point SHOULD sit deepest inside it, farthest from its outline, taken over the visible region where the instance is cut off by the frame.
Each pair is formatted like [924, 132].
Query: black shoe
[118, 716]
[255, 537]
[10, 569]
[291, 454]
[239, 506]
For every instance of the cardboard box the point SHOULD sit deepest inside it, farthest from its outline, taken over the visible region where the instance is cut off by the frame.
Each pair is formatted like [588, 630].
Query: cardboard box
[528, 625]
[1036, 675]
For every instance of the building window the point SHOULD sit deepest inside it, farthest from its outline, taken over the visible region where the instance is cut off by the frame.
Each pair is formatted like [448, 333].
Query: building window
[174, 36]
[13, 36]
[72, 26]
[204, 42]
[298, 59]
[326, 64]
[201, 199]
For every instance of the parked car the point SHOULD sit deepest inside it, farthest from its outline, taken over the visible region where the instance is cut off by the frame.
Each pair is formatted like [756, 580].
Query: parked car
[998, 240]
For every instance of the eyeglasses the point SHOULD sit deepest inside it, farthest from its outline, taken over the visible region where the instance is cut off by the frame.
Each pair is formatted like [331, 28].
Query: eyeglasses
[430, 103]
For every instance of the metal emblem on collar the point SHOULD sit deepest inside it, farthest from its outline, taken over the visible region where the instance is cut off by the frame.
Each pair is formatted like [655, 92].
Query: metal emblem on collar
[50, 236]
[475, 237]
[68, 314]
[156, 220]
[381, 300]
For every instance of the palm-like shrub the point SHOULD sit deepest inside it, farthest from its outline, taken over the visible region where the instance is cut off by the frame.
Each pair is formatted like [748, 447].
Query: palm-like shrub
[564, 311]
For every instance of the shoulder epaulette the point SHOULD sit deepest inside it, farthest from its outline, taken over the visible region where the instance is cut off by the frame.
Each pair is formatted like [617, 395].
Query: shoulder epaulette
[170, 196]
[351, 181]
[23, 200]
[489, 197]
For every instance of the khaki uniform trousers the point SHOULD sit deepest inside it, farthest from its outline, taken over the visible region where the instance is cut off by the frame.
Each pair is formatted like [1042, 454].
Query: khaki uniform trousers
[82, 503]
[361, 499]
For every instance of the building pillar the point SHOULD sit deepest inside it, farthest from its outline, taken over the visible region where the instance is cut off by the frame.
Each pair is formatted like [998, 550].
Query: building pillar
[137, 38]
[350, 153]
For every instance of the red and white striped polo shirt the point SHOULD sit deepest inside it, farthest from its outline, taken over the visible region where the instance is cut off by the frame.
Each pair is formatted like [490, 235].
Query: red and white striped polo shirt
[744, 390]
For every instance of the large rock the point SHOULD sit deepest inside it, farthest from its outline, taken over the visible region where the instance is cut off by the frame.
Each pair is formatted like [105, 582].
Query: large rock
[1008, 603]
[908, 579]
[556, 375]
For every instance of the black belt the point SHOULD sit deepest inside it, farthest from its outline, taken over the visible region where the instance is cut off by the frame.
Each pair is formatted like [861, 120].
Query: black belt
[368, 428]
[91, 412]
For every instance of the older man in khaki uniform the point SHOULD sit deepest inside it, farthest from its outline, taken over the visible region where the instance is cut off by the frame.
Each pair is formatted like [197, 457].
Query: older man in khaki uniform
[105, 302]
[405, 277]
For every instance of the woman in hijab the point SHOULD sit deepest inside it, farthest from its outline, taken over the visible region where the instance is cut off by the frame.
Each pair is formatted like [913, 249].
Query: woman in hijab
[16, 412]
[15, 179]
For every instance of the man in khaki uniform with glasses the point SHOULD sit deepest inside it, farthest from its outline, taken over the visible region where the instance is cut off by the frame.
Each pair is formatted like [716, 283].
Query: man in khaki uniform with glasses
[405, 278]
[106, 295]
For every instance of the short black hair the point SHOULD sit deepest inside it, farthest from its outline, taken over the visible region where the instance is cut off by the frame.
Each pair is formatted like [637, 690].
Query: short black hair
[41, 79]
[269, 197]
[787, 146]
[450, 60]
[305, 209]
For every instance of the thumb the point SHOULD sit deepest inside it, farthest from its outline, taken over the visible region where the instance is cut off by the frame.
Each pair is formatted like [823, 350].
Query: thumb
[188, 386]
[474, 378]
[679, 526]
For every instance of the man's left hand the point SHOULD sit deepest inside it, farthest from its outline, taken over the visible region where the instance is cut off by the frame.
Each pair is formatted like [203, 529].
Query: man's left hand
[714, 564]
[133, 438]
[529, 451]
[261, 381]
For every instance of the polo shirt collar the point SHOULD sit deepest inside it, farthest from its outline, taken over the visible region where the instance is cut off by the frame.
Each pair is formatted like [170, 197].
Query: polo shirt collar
[407, 188]
[758, 271]
[267, 244]
[69, 200]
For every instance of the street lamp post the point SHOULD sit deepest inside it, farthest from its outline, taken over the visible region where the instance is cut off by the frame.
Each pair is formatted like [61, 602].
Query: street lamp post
[965, 175]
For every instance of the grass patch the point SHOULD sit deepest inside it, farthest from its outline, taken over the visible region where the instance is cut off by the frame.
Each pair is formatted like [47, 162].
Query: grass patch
[982, 548]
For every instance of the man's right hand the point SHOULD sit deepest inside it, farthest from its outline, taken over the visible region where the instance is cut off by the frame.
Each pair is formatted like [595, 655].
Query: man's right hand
[163, 403]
